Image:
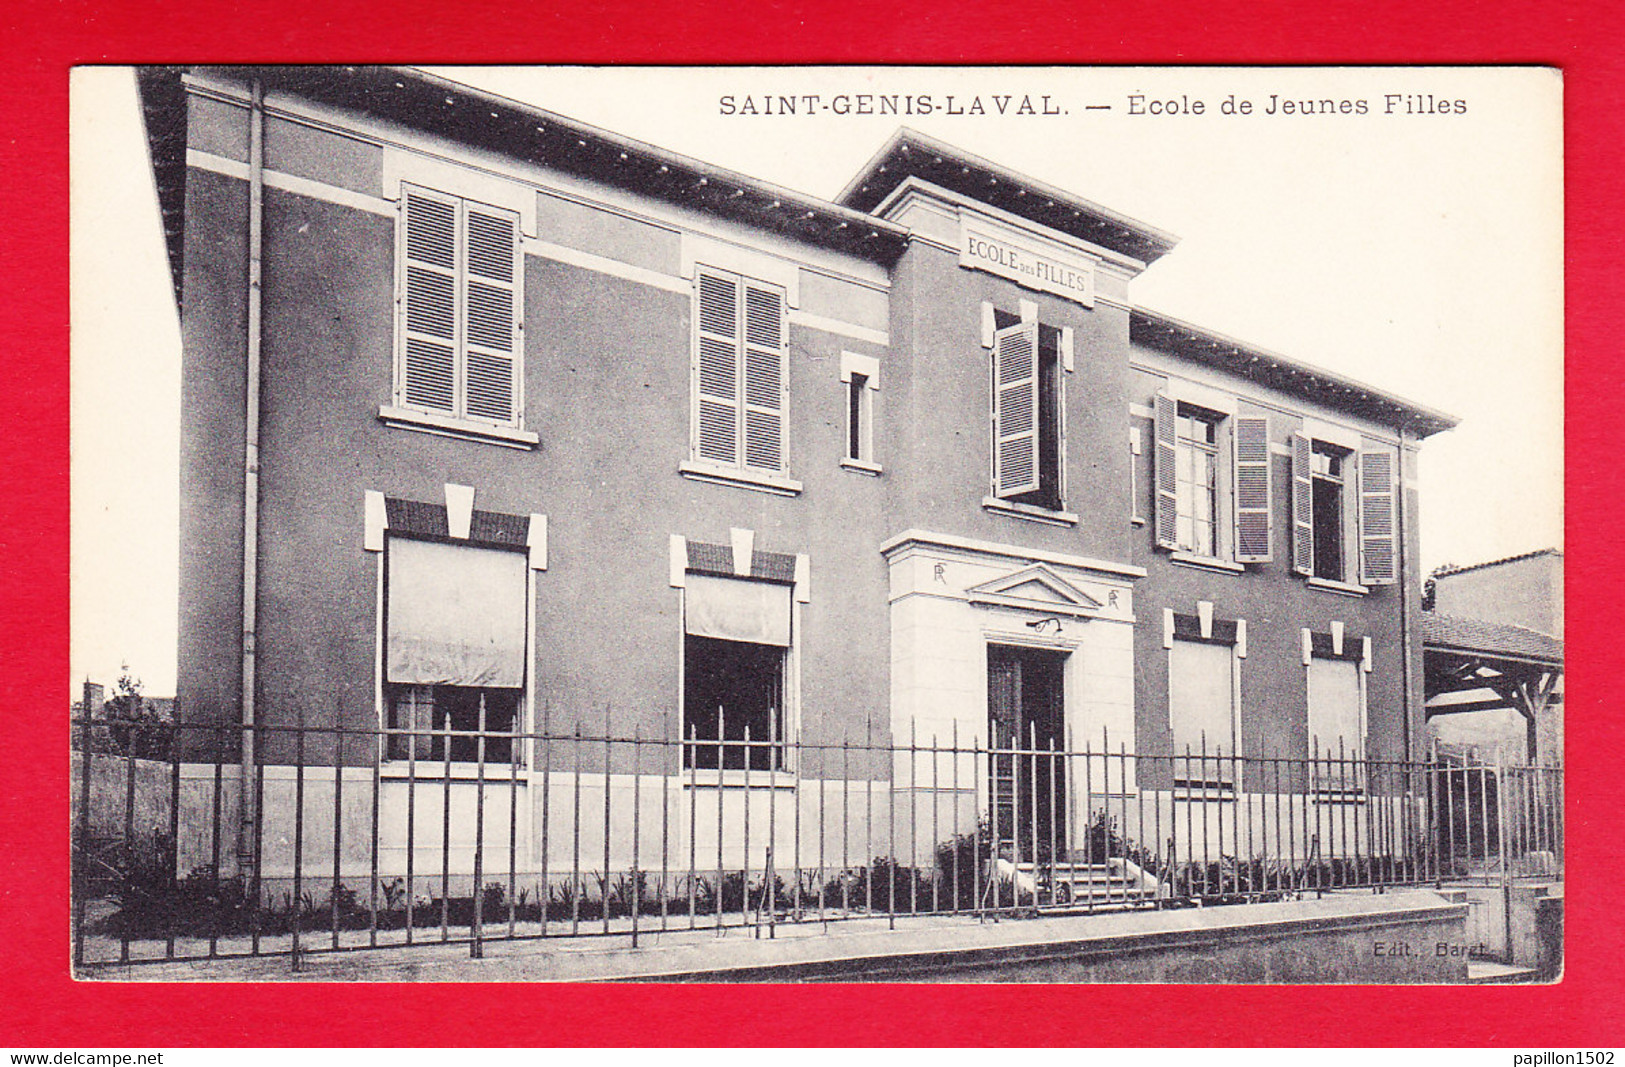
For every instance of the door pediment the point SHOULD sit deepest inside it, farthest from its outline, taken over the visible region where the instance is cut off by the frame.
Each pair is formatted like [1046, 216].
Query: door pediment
[1036, 588]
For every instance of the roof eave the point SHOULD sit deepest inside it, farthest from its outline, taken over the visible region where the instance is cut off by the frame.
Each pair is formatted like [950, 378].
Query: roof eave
[1134, 238]
[475, 116]
[1296, 376]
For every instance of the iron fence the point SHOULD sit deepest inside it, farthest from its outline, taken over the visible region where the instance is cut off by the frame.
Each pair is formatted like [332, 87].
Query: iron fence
[354, 838]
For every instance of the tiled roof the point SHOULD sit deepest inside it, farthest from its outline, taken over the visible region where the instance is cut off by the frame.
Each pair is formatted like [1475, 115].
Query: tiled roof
[1455, 633]
[1505, 559]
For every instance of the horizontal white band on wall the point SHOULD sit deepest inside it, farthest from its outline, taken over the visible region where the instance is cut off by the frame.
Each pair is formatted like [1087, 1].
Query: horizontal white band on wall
[292, 183]
[533, 245]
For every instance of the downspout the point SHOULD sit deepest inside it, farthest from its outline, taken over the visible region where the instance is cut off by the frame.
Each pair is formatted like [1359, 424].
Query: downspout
[247, 803]
[1407, 589]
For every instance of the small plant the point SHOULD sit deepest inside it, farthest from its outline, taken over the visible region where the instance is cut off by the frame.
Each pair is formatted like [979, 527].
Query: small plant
[344, 899]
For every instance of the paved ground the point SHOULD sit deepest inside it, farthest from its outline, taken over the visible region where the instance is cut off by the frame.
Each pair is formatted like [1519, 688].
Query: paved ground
[849, 948]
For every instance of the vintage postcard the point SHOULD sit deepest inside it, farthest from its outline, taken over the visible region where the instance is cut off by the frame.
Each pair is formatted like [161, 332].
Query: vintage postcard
[818, 524]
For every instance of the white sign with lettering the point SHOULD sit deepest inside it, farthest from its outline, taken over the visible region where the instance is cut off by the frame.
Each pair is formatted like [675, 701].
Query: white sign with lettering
[1025, 260]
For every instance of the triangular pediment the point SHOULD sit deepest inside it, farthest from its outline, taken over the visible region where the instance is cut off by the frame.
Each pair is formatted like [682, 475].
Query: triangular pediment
[1035, 588]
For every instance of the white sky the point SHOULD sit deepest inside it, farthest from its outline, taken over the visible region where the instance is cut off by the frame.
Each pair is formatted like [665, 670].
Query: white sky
[1420, 253]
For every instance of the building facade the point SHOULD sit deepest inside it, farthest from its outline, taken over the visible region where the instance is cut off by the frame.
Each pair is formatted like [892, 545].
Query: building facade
[508, 428]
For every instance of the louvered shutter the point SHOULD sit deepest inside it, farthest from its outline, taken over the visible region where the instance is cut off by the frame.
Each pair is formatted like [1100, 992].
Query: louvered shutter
[1015, 409]
[491, 384]
[1303, 506]
[428, 368]
[1377, 559]
[716, 415]
[1253, 512]
[764, 378]
[1165, 456]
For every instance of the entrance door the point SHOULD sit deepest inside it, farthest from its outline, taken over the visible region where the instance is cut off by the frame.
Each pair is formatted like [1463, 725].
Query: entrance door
[1025, 707]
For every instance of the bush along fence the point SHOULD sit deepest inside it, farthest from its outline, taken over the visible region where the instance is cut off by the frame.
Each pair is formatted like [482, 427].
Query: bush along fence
[345, 839]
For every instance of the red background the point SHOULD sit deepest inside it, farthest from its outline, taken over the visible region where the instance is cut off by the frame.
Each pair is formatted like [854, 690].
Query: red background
[43, 1007]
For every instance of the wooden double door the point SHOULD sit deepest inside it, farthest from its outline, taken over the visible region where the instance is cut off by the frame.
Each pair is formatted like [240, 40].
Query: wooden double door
[1026, 707]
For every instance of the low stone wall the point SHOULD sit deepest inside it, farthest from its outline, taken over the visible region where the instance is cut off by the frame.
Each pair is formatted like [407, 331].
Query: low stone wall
[110, 792]
[1412, 937]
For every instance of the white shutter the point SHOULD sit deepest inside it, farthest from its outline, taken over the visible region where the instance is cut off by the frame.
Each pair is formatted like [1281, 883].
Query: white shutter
[1015, 409]
[716, 413]
[1254, 532]
[1165, 455]
[428, 358]
[1303, 506]
[764, 367]
[491, 385]
[1378, 565]
[460, 300]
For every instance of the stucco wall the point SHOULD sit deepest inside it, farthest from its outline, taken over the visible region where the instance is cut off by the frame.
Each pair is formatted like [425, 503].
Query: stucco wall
[937, 421]
[1525, 592]
[1276, 604]
[606, 380]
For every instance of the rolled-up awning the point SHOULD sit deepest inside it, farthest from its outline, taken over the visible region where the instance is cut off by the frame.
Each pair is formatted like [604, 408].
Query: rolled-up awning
[735, 610]
[456, 615]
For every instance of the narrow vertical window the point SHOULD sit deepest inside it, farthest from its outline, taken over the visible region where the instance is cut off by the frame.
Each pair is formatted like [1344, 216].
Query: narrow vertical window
[860, 382]
[857, 418]
[1135, 448]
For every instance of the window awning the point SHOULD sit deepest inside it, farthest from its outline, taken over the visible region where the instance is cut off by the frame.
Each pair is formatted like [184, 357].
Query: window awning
[735, 610]
[1334, 708]
[1200, 700]
[456, 615]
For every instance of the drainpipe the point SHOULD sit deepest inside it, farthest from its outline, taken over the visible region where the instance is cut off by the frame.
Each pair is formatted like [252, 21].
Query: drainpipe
[247, 806]
[1406, 589]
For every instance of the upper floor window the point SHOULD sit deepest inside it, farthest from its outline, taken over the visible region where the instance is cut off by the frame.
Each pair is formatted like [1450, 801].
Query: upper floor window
[1327, 503]
[1212, 474]
[860, 382]
[857, 419]
[1343, 526]
[1028, 422]
[458, 343]
[1196, 476]
[740, 373]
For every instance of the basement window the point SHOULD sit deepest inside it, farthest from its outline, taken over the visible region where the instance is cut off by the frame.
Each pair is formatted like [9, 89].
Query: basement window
[431, 717]
[733, 690]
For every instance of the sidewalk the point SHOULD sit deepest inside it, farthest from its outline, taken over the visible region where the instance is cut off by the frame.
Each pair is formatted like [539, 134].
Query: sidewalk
[1124, 946]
